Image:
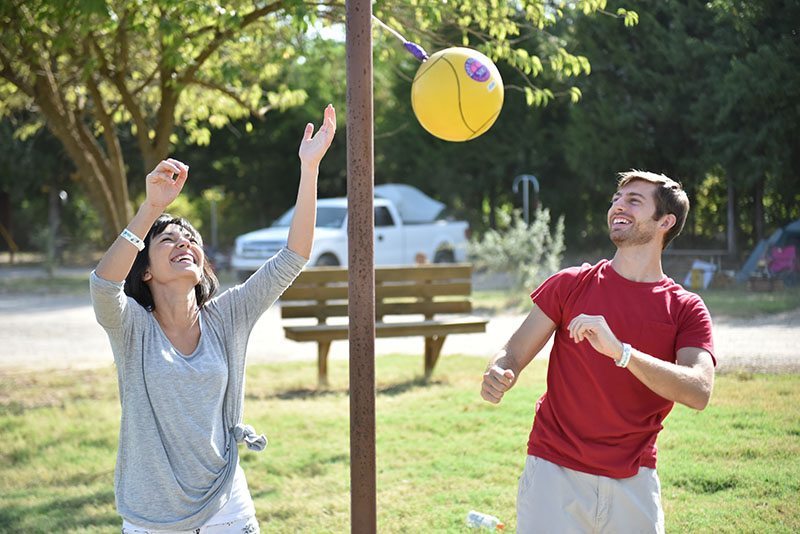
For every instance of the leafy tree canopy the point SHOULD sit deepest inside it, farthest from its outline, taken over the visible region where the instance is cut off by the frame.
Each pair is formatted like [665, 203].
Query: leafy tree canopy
[90, 68]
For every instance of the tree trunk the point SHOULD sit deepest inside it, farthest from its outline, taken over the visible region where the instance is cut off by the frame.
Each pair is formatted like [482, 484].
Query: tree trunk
[758, 209]
[6, 227]
[732, 248]
[102, 178]
[54, 219]
[492, 206]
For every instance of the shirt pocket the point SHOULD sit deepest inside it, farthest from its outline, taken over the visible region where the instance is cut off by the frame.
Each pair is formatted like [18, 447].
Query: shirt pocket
[657, 339]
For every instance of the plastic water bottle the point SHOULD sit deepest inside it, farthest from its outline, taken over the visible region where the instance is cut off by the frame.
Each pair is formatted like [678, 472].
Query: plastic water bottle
[479, 520]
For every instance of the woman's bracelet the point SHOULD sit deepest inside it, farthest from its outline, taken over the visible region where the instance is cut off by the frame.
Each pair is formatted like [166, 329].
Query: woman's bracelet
[133, 239]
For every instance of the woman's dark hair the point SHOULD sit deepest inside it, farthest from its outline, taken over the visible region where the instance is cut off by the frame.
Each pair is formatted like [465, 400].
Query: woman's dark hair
[136, 288]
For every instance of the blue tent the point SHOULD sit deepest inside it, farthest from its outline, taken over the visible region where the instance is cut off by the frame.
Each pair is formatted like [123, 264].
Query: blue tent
[782, 237]
[790, 234]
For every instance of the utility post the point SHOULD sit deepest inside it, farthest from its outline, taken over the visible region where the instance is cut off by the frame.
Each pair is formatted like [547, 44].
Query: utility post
[527, 180]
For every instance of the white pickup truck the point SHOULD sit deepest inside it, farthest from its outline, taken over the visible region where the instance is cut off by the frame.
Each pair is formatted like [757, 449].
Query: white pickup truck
[407, 230]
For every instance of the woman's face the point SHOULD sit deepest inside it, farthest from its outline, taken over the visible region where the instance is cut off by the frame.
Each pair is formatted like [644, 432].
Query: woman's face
[175, 254]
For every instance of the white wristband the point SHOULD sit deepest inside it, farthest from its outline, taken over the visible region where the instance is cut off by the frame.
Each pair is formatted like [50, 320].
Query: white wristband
[626, 356]
[133, 239]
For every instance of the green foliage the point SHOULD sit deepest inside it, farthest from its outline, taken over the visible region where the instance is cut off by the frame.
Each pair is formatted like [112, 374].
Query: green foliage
[519, 34]
[703, 92]
[748, 107]
[133, 54]
[254, 163]
[130, 82]
[529, 253]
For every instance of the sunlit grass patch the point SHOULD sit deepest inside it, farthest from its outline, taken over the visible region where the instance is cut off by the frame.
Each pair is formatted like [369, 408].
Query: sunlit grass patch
[441, 450]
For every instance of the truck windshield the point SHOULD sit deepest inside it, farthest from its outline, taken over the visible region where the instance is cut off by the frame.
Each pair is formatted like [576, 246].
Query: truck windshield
[327, 217]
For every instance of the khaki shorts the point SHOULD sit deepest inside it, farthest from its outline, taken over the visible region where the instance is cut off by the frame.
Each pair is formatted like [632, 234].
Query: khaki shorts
[552, 498]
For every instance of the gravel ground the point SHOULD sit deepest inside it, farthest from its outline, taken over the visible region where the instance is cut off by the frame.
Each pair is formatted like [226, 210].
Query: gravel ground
[59, 332]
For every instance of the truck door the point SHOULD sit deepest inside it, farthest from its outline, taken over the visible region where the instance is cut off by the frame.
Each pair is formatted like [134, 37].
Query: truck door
[388, 238]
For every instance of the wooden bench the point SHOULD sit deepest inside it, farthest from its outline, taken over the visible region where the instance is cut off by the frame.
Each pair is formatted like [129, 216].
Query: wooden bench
[424, 291]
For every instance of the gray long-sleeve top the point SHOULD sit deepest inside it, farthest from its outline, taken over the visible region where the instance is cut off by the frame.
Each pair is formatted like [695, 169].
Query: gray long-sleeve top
[182, 414]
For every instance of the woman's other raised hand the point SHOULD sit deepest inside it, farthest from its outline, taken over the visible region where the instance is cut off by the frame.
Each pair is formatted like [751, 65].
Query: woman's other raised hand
[165, 182]
[313, 148]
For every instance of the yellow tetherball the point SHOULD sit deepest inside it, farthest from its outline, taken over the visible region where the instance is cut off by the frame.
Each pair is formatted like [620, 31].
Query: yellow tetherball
[457, 94]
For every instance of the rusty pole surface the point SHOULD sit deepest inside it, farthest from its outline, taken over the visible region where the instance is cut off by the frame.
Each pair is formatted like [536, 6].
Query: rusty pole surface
[360, 231]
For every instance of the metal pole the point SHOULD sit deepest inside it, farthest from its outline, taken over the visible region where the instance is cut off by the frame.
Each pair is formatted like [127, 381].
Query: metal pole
[214, 227]
[527, 181]
[525, 205]
[360, 232]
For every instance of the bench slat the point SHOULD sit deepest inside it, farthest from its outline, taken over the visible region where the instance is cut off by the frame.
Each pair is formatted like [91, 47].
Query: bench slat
[437, 271]
[306, 292]
[322, 311]
[327, 332]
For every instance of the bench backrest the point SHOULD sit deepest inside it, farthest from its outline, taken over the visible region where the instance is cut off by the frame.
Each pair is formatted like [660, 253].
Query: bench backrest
[321, 292]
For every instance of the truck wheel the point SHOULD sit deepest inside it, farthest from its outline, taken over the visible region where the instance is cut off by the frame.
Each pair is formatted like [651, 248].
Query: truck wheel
[327, 260]
[444, 256]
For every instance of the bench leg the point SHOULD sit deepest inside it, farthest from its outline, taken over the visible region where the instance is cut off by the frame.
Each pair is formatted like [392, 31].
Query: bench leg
[433, 346]
[322, 362]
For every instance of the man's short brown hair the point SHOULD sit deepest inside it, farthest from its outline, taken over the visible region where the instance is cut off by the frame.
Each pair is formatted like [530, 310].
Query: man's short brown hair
[669, 197]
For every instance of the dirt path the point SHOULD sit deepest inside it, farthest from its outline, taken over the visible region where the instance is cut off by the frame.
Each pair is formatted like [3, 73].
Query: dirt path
[59, 332]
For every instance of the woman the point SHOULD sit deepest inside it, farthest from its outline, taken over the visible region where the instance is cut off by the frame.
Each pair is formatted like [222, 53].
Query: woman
[180, 356]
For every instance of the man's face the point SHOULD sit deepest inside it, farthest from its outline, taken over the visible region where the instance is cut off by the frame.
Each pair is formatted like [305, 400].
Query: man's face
[630, 217]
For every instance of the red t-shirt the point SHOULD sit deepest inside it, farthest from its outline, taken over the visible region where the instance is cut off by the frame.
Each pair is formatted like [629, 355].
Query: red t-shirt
[596, 417]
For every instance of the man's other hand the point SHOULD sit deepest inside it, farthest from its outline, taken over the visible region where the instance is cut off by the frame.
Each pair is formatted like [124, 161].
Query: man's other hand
[496, 381]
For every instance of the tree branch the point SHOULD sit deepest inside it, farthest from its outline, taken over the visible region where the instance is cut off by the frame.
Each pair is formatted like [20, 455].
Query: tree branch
[117, 78]
[109, 131]
[229, 93]
[121, 43]
[12, 76]
[221, 37]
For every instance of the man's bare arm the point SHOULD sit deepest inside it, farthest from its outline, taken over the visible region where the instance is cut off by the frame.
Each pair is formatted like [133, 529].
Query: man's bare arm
[688, 381]
[522, 347]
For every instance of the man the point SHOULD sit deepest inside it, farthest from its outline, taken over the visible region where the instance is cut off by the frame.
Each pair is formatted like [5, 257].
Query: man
[629, 343]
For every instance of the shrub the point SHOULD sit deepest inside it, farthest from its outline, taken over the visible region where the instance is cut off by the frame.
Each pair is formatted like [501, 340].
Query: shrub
[529, 253]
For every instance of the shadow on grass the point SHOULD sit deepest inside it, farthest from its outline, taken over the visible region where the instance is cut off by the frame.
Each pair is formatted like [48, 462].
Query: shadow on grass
[708, 484]
[298, 394]
[59, 514]
[323, 392]
[409, 385]
[83, 479]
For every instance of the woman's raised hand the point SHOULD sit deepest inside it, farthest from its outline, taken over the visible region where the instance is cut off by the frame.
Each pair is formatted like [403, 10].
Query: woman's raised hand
[164, 183]
[312, 149]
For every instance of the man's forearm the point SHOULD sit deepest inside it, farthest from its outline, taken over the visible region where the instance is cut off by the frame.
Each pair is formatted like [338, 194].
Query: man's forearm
[687, 384]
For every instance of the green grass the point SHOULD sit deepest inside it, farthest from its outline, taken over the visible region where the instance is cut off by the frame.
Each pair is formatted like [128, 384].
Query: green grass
[56, 285]
[441, 451]
[499, 301]
[735, 302]
[68, 284]
[741, 303]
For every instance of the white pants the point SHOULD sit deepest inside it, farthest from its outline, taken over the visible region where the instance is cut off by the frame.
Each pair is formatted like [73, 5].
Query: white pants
[238, 516]
[248, 525]
[555, 499]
